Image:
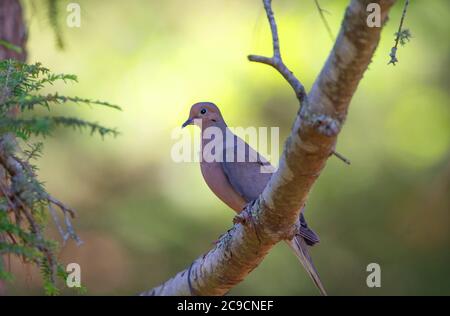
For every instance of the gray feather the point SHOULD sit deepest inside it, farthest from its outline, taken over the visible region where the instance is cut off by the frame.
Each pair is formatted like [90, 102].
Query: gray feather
[298, 244]
[247, 179]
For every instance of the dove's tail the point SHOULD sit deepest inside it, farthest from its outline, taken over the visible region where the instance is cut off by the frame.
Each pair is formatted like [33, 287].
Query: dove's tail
[300, 247]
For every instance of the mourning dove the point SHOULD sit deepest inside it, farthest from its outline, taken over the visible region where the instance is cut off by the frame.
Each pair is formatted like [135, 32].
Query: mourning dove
[237, 174]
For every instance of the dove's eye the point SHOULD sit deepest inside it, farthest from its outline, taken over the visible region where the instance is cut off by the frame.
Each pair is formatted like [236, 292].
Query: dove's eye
[202, 111]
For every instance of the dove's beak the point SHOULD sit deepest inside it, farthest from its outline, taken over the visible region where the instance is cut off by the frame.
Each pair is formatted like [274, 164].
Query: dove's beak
[188, 122]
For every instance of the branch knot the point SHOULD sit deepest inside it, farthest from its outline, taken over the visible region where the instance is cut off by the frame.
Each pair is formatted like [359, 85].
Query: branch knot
[326, 125]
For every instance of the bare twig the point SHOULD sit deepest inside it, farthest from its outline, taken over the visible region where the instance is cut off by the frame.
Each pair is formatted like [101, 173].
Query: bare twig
[71, 230]
[276, 61]
[393, 53]
[273, 28]
[324, 20]
[68, 214]
[15, 167]
[61, 205]
[64, 235]
[341, 157]
[20, 207]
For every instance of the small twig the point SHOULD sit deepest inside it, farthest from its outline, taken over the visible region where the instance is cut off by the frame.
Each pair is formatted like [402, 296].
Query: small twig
[68, 214]
[61, 205]
[71, 230]
[38, 232]
[341, 157]
[324, 20]
[57, 223]
[15, 166]
[393, 53]
[28, 215]
[276, 61]
[11, 236]
[273, 28]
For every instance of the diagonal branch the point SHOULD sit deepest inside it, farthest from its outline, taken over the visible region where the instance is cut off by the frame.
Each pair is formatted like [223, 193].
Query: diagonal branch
[306, 151]
[393, 53]
[273, 28]
[276, 61]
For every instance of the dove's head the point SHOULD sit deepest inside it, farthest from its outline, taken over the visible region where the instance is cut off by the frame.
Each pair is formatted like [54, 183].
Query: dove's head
[204, 113]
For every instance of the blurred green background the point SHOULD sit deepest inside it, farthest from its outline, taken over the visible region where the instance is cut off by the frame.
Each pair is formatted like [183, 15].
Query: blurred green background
[143, 217]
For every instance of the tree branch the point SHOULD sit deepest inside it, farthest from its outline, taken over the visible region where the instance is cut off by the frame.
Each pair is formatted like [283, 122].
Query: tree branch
[274, 214]
[273, 28]
[393, 53]
[276, 61]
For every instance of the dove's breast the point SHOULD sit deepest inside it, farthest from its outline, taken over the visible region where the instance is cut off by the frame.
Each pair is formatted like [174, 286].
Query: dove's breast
[218, 183]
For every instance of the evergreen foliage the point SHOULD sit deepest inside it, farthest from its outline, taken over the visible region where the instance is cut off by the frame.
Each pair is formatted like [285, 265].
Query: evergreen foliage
[24, 202]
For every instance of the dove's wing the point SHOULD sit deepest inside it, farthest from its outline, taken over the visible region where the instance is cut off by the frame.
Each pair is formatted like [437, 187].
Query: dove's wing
[248, 172]
[248, 178]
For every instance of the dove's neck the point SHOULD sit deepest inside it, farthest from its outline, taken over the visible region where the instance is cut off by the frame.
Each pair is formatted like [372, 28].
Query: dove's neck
[217, 124]
[211, 129]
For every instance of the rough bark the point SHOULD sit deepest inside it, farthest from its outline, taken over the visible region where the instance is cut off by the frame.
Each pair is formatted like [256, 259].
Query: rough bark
[271, 217]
